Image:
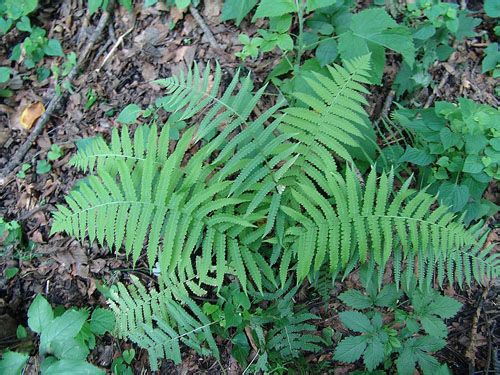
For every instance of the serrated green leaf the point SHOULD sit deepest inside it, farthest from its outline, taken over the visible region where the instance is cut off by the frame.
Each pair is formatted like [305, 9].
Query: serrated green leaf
[374, 354]
[355, 321]
[444, 306]
[388, 296]
[416, 156]
[350, 349]
[434, 326]
[356, 299]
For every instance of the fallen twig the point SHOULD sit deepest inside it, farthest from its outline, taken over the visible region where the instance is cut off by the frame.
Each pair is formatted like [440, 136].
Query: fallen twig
[113, 49]
[206, 30]
[18, 157]
[470, 353]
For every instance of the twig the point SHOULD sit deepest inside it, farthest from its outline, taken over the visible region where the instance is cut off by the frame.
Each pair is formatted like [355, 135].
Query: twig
[18, 157]
[470, 353]
[387, 104]
[206, 30]
[114, 48]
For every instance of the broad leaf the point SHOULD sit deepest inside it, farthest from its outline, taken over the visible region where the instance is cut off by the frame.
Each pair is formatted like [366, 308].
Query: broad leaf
[274, 8]
[61, 328]
[13, 363]
[73, 367]
[355, 299]
[102, 321]
[40, 314]
[355, 321]
[350, 349]
[416, 156]
[129, 114]
[374, 27]
[236, 10]
[374, 353]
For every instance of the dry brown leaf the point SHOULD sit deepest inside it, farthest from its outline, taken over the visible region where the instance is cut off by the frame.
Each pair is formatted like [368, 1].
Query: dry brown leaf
[177, 14]
[30, 114]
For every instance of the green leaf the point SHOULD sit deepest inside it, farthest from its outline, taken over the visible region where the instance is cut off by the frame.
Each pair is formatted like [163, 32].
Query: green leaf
[374, 353]
[102, 321]
[129, 114]
[5, 73]
[128, 355]
[492, 8]
[350, 349]
[355, 299]
[372, 28]
[21, 332]
[285, 42]
[466, 26]
[491, 58]
[448, 138]
[63, 327]
[274, 8]
[326, 52]
[94, 5]
[69, 349]
[472, 164]
[15, 9]
[74, 367]
[24, 24]
[40, 314]
[54, 153]
[43, 166]
[355, 321]
[53, 48]
[13, 363]
[416, 156]
[444, 306]
[388, 296]
[181, 4]
[10, 272]
[453, 196]
[316, 4]
[434, 326]
[236, 10]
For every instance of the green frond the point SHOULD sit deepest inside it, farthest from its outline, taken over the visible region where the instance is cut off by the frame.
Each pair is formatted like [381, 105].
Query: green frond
[160, 321]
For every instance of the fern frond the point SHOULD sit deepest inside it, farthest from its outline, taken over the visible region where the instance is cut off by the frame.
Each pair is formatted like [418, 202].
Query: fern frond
[159, 321]
[373, 222]
[335, 119]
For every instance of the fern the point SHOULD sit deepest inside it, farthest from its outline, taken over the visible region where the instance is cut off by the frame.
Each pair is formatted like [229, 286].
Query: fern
[255, 197]
[158, 322]
[357, 223]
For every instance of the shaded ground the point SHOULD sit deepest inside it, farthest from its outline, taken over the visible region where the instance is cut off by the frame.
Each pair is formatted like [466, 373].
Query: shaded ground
[66, 271]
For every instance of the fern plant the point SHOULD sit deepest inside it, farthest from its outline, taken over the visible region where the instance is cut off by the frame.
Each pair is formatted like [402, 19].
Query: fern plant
[256, 197]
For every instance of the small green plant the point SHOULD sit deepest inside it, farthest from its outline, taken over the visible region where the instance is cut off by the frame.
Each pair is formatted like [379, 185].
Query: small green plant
[24, 168]
[389, 329]
[121, 365]
[435, 26]
[10, 232]
[65, 339]
[457, 148]
[280, 329]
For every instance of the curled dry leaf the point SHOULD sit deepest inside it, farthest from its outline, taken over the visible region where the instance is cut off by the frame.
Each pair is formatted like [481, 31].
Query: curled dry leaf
[30, 114]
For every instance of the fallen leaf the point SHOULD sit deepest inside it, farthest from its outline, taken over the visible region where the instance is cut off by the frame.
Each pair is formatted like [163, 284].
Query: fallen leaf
[30, 114]
[177, 14]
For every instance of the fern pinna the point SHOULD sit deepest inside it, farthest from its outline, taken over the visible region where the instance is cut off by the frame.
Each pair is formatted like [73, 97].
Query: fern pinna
[256, 197]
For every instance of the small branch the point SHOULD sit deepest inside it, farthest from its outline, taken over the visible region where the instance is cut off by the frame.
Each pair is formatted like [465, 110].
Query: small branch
[56, 100]
[113, 49]
[470, 353]
[206, 30]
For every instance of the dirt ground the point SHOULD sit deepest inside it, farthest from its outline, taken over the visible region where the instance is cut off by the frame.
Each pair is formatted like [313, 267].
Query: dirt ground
[67, 271]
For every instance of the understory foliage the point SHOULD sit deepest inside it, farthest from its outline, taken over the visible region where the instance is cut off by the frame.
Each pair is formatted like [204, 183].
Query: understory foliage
[264, 199]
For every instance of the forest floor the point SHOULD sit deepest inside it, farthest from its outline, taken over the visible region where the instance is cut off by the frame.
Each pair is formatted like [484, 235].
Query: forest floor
[67, 272]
